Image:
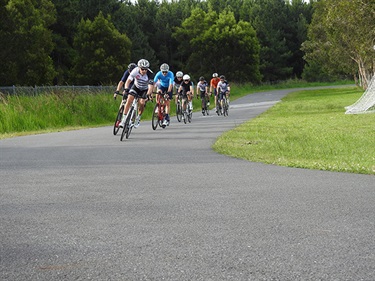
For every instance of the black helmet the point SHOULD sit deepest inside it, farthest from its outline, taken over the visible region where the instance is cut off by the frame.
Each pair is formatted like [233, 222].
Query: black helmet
[201, 78]
[131, 66]
[222, 77]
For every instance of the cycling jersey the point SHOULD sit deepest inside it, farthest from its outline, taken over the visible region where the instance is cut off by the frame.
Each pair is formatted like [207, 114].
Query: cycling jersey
[165, 80]
[214, 82]
[223, 86]
[202, 85]
[186, 87]
[125, 77]
[141, 81]
[177, 83]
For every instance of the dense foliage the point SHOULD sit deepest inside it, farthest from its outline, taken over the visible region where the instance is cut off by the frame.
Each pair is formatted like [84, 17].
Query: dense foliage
[91, 41]
[341, 40]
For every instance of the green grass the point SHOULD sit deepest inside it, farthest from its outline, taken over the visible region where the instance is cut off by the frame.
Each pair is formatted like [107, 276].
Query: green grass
[308, 129]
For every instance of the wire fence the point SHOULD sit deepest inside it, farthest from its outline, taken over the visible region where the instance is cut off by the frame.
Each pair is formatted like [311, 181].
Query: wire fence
[36, 90]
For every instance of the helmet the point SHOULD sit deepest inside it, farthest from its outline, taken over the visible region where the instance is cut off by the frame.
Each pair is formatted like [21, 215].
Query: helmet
[222, 77]
[131, 66]
[215, 75]
[143, 63]
[201, 78]
[179, 74]
[186, 77]
[164, 67]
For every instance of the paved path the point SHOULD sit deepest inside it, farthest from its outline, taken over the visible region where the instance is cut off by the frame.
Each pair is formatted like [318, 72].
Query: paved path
[81, 205]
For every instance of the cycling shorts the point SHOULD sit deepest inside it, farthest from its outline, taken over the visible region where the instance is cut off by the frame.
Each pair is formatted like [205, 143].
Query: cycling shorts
[165, 90]
[222, 94]
[202, 94]
[141, 94]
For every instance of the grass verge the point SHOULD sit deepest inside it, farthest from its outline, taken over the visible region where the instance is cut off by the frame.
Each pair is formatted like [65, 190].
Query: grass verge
[307, 130]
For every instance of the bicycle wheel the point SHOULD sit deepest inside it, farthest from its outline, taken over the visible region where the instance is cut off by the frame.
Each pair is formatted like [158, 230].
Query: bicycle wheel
[116, 126]
[131, 122]
[225, 107]
[161, 116]
[126, 126]
[203, 106]
[155, 117]
[190, 115]
[178, 111]
[218, 109]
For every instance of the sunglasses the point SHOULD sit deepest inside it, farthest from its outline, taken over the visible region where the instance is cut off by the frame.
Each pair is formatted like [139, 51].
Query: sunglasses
[186, 80]
[164, 72]
[143, 69]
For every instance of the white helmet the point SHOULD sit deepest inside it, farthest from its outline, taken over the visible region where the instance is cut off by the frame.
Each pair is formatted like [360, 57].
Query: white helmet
[186, 77]
[215, 75]
[143, 63]
[179, 74]
[164, 67]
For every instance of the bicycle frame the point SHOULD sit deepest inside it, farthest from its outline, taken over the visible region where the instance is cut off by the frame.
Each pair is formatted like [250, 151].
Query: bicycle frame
[205, 100]
[159, 111]
[130, 119]
[179, 108]
[116, 126]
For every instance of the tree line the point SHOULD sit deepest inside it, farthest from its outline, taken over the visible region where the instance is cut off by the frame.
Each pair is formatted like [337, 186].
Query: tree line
[58, 42]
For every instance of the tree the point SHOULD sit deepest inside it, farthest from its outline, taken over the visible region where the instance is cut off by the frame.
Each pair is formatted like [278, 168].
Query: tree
[269, 18]
[102, 51]
[220, 45]
[26, 56]
[341, 36]
[299, 15]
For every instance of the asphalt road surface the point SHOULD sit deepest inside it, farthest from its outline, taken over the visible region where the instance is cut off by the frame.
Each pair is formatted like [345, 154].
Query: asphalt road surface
[81, 205]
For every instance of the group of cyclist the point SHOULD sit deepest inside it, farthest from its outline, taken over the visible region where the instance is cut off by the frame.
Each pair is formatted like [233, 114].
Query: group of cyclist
[139, 81]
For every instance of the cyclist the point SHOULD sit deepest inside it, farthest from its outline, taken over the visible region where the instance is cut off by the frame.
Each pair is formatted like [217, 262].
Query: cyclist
[177, 82]
[165, 77]
[121, 83]
[187, 91]
[202, 89]
[213, 85]
[142, 88]
[223, 88]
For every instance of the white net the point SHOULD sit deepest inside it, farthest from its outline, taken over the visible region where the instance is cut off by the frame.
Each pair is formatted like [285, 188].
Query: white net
[366, 103]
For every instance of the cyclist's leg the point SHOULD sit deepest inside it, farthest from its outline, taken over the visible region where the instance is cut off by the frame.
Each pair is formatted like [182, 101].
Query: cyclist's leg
[190, 99]
[184, 106]
[203, 101]
[184, 99]
[221, 99]
[215, 98]
[167, 106]
[127, 106]
[142, 102]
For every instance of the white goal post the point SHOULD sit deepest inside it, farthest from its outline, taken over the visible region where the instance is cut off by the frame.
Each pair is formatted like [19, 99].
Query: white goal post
[366, 103]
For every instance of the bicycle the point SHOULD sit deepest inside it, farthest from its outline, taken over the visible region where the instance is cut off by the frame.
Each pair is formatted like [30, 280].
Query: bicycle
[225, 105]
[116, 126]
[187, 114]
[218, 108]
[158, 113]
[130, 119]
[179, 108]
[205, 105]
